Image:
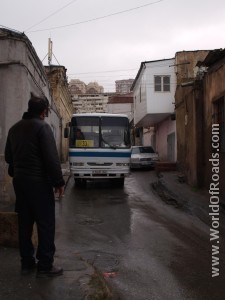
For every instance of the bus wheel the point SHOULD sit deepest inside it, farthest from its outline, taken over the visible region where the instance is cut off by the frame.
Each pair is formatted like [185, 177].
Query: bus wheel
[119, 181]
[83, 183]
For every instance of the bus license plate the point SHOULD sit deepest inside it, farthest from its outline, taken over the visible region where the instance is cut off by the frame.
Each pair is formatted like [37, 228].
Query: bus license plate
[99, 172]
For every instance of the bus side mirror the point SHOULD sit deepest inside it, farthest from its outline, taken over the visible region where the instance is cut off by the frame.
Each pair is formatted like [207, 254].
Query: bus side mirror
[66, 132]
[127, 138]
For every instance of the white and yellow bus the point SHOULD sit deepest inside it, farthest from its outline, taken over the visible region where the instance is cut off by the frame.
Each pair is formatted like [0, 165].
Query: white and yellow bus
[99, 147]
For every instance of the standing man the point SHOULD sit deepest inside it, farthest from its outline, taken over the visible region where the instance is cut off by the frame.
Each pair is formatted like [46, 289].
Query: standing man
[35, 167]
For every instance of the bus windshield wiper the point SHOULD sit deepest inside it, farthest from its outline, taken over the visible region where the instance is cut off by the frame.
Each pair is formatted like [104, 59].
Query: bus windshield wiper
[107, 143]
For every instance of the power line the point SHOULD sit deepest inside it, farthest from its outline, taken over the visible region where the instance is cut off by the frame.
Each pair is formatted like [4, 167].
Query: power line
[105, 78]
[98, 18]
[52, 14]
[102, 72]
[156, 65]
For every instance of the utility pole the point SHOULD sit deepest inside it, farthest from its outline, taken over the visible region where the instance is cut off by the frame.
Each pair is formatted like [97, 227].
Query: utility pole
[49, 51]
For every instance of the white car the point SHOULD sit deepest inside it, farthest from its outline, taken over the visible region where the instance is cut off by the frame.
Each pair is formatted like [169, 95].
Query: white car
[143, 157]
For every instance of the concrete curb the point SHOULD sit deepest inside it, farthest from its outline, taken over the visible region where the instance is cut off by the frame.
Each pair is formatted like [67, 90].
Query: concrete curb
[182, 196]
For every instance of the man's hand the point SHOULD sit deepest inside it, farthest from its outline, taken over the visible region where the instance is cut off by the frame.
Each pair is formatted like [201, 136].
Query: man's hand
[59, 191]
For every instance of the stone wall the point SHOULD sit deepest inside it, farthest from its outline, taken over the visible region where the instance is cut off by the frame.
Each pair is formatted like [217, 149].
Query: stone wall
[21, 73]
[63, 102]
[214, 89]
[9, 230]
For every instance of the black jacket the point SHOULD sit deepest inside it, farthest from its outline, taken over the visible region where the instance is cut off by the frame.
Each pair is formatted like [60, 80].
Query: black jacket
[31, 151]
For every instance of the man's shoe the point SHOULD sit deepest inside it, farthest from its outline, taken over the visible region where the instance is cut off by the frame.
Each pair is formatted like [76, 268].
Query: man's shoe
[53, 272]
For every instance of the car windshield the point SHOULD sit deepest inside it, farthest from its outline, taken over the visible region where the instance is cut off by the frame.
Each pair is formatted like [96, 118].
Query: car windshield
[143, 150]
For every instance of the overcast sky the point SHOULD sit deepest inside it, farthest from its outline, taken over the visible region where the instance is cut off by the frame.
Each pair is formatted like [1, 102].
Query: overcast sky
[106, 40]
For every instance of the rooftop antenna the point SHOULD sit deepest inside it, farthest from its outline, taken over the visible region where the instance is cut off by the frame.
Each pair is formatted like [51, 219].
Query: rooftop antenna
[49, 51]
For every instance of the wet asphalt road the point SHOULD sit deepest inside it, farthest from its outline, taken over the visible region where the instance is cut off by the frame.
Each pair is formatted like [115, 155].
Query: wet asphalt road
[145, 248]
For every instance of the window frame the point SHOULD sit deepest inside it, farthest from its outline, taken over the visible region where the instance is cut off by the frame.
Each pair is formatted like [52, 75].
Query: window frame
[161, 87]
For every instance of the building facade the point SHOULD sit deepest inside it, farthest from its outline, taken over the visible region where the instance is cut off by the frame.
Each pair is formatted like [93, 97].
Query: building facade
[88, 97]
[200, 111]
[123, 86]
[188, 103]
[78, 87]
[94, 88]
[214, 121]
[90, 103]
[154, 90]
[21, 73]
[63, 101]
[121, 104]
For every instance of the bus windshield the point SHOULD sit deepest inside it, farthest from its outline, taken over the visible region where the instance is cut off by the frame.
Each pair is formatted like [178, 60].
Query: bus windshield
[99, 132]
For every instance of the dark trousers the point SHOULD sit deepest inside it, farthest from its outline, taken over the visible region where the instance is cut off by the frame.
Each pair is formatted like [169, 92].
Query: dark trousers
[35, 203]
